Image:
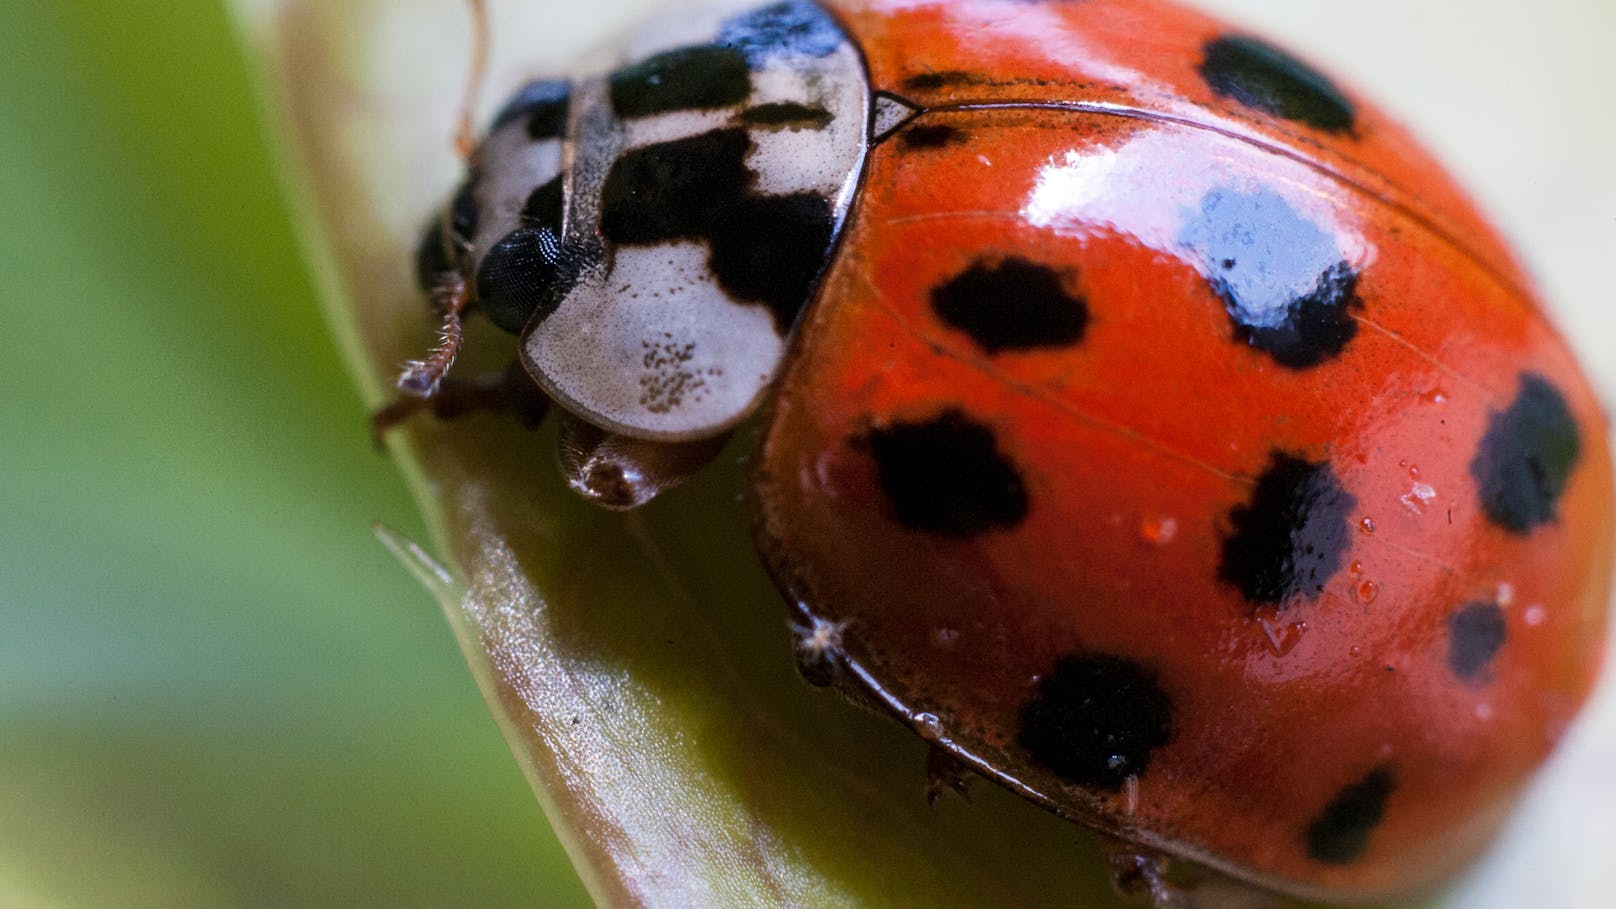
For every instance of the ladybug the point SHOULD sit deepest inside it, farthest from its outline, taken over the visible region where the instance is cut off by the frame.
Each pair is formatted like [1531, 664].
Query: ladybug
[1142, 418]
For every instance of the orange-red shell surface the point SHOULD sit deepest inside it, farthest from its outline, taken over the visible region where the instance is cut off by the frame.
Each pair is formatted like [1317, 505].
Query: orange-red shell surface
[1172, 442]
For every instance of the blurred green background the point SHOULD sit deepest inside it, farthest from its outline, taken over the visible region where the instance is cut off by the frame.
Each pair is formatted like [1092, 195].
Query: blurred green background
[216, 688]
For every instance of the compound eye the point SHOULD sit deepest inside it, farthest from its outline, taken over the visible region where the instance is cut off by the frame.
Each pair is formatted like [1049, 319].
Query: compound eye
[525, 277]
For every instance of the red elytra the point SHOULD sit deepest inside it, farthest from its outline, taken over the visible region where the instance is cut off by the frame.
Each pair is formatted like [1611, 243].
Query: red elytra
[1168, 439]
[1006, 529]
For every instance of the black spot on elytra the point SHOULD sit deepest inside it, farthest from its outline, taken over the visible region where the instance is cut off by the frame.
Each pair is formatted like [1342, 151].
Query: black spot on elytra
[1267, 79]
[546, 207]
[1475, 635]
[1281, 277]
[946, 476]
[1340, 834]
[1317, 326]
[1095, 720]
[925, 137]
[785, 114]
[1013, 305]
[691, 78]
[525, 276]
[766, 250]
[1291, 537]
[441, 243]
[1526, 457]
[544, 104]
[792, 27]
[940, 79]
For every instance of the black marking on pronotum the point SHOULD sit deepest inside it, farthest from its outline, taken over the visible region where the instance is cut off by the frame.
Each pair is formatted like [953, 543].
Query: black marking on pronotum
[1267, 79]
[925, 137]
[1526, 457]
[792, 27]
[1096, 720]
[691, 78]
[524, 277]
[544, 104]
[1475, 635]
[1292, 536]
[1340, 833]
[667, 191]
[766, 250]
[786, 115]
[1012, 305]
[946, 476]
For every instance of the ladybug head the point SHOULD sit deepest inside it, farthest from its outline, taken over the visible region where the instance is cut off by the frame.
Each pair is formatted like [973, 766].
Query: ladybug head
[499, 246]
[502, 234]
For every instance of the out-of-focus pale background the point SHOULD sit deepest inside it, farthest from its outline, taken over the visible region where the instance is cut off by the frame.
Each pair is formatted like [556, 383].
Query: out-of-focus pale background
[217, 690]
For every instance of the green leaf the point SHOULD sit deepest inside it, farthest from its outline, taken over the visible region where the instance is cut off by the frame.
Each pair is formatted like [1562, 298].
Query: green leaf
[216, 689]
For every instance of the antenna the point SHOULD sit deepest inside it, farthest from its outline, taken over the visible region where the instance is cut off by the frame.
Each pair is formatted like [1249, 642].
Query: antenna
[465, 135]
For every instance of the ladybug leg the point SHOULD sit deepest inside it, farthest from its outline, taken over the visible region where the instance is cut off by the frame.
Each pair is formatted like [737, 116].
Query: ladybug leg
[620, 473]
[1143, 874]
[822, 662]
[1138, 873]
[944, 774]
[426, 386]
[450, 295]
[819, 654]
[511, 392]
